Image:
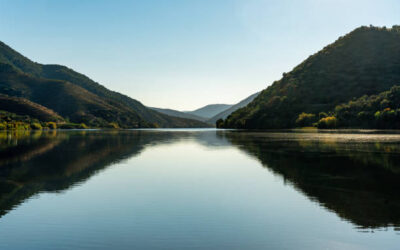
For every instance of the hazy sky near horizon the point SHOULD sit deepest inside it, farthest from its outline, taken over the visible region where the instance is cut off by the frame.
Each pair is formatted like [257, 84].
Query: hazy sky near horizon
[184, 54]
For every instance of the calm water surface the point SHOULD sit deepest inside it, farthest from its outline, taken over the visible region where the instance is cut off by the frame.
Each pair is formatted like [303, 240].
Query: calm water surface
[199, 189]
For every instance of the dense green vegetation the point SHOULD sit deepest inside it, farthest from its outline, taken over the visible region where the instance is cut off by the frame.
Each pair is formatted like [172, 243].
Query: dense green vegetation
[11, 121]
[364, 62]
[375, 111]
[76, 97]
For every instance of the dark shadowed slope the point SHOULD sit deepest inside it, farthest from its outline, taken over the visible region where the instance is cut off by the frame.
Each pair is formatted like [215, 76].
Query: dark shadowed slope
[224, 114]
[364, 62]
[22, 106]
[89, 101]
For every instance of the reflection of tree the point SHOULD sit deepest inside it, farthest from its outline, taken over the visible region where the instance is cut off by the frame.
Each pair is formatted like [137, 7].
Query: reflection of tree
[358, 181]
[22, 145]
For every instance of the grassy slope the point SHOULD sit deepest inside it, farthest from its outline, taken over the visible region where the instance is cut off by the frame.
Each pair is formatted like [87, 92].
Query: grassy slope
[22, 106]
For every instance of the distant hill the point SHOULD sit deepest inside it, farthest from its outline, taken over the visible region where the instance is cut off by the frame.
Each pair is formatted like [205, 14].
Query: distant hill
[364, 62]
[202, 114]
[179, 114]
[75, 96]
[22, 106]
[224, 114]
[209, 110]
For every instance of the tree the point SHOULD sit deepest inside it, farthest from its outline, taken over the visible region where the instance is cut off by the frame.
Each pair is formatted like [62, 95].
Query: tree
[305, 120]
[219, 123]
[327, 122]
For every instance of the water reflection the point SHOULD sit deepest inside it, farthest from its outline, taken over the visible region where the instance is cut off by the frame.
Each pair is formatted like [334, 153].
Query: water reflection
[53, 161]
[357, 176]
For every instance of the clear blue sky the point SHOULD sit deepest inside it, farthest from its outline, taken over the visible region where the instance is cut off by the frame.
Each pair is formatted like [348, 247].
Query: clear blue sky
[183, 54]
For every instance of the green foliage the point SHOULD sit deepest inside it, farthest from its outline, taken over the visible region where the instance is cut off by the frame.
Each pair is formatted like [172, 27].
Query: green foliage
[72, 126]
[322, 115]
[375, 111]
[36, 126]
[17, 125]
[219, 123]
[364, 62]
[327, 122]
[83, 126]
[155, 125]
[67, 125]
[11, 121]
[113, 125]
[51, 125]
[305, 120]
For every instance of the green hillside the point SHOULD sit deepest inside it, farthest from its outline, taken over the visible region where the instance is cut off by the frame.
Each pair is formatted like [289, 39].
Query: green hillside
[22, 106]
[75, 96]
[67, 99]
[364, 62]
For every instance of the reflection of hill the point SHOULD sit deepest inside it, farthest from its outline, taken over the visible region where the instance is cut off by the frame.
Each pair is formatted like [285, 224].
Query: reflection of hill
[357, 181]
[55, 162]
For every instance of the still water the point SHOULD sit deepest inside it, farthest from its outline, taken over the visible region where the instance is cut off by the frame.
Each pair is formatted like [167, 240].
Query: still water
[199, 189]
